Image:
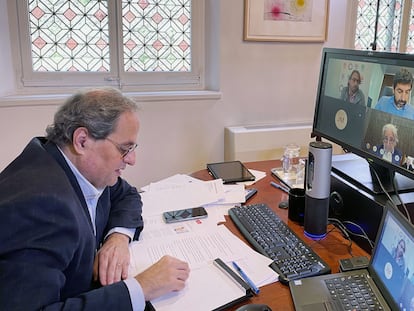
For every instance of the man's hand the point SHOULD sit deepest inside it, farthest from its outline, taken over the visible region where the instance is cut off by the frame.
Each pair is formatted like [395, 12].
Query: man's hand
[166, 275]
[112, 260]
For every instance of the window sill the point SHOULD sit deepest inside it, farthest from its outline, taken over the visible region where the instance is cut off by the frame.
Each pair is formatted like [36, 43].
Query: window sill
[57, 99]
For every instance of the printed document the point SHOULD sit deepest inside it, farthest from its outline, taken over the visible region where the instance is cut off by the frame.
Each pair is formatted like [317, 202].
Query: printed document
[207, 287]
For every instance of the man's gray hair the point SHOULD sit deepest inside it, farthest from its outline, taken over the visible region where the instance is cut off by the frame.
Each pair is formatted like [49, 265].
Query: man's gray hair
[97, 109]
[392, 128]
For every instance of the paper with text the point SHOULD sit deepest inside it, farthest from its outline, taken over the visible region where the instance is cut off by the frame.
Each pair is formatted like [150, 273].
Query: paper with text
[169, 197]
[207, 286]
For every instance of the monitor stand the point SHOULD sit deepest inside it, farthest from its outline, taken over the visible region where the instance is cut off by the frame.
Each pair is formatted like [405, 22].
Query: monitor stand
[357, 169]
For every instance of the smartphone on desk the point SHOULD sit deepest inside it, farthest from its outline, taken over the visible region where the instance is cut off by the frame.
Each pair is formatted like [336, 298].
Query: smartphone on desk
[185, 214]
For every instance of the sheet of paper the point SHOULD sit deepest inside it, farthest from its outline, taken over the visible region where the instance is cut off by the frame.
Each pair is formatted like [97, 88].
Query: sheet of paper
[170, 182]
[199, 247]
[196, 248]
[155, 227]
[216, 212]
[233, 194]
[207, 289]
[179, 196]
[257, 174]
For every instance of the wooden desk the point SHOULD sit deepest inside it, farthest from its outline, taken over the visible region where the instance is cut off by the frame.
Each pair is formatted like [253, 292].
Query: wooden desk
[332, 248]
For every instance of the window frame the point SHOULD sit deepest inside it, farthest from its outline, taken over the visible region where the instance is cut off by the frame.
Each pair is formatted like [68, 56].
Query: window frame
[404, 25]
[35, 82]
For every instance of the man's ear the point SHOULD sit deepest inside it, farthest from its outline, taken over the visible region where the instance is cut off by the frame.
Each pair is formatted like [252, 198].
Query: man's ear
[80, 139]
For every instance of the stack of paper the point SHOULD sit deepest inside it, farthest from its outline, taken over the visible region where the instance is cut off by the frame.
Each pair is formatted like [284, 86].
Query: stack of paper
[182, 191]
[197, 242]
[208, 287]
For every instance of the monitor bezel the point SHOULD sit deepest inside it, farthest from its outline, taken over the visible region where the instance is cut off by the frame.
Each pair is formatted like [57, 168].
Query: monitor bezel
[364, 56]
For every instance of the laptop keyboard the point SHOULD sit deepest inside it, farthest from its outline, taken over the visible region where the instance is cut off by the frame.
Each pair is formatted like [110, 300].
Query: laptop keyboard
[353, 293]
[269, 235]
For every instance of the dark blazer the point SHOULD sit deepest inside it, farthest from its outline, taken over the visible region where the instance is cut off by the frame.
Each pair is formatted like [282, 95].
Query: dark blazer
[47, 243]
[396, 156]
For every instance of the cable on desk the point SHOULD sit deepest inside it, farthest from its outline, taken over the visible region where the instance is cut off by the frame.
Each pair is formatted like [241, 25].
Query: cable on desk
[407, 214]
[342, 228]
[394, 184]
[364, 235]
[346, 231]
[331, 230]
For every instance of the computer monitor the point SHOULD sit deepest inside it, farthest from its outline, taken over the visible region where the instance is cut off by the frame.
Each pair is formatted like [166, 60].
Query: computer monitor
[381, 136]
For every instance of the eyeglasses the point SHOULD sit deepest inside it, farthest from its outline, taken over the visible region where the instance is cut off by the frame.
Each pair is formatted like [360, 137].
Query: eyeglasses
[388, 139]
[123, 150]
[356, 80]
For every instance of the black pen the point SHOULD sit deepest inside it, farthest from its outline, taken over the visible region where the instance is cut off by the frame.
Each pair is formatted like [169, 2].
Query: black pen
[279, 187]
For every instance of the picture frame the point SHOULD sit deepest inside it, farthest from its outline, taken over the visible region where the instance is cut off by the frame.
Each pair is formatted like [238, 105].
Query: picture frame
[286, 20]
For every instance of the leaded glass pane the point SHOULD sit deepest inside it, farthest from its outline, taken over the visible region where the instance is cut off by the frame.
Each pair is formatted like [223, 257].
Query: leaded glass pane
[365, 25]
[74, 35]
[69, 35]
[388, 29]
[410, 33]
[156, 35]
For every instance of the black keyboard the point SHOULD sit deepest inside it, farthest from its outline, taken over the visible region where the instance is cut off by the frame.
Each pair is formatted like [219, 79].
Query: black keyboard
[269, 235]
[353, 292]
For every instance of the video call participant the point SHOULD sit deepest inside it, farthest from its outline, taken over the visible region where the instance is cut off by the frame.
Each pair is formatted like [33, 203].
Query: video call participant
[398, 253]
[68, 216]
[351, 93]
[399, 103]
[387, 150]
[408, 163]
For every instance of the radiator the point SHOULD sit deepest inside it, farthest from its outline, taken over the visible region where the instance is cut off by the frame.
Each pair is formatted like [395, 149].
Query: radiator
[266, 142]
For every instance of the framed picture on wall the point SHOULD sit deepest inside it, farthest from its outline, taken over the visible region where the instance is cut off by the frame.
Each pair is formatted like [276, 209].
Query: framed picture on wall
[286, 20]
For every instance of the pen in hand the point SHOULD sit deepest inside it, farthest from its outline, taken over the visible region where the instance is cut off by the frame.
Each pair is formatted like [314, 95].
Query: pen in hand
[255, 289]
[283, 188]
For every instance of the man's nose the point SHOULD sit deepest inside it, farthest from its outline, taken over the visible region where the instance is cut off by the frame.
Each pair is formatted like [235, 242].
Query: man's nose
[130, 158]
[406, 96]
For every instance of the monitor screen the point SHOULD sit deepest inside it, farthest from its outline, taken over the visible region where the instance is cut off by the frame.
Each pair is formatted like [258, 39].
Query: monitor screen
[364, 104]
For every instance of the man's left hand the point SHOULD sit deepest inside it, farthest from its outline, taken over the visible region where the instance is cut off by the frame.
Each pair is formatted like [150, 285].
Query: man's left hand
[112, 260]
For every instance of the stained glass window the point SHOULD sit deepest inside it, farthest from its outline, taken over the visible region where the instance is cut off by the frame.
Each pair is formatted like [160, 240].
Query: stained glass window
[69, 35]
[410, 32]
[156, 35]
[394, 33]
[75, 35]
[135, 45]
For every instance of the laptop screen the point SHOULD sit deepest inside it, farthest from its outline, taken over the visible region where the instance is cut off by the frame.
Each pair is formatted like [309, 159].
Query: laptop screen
[393, 260]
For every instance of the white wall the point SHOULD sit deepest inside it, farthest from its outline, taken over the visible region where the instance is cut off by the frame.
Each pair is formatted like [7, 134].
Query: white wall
[261, 83]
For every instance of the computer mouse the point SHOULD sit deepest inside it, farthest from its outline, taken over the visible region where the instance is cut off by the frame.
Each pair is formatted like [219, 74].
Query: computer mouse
[284, 204]
[254, 307]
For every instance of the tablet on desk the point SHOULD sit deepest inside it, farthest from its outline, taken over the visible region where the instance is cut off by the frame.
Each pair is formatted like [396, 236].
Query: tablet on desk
[230, 171]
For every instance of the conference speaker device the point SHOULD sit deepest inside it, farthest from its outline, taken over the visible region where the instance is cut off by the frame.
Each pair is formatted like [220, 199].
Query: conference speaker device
[317, 189]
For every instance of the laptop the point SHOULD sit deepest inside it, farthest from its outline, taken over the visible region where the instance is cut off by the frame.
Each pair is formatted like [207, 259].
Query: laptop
[390, 277]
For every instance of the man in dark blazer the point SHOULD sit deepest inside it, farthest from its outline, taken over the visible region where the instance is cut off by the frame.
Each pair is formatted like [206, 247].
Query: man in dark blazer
[67, 216]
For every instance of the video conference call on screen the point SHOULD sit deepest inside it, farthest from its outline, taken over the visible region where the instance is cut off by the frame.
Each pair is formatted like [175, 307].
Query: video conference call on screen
[365, 123]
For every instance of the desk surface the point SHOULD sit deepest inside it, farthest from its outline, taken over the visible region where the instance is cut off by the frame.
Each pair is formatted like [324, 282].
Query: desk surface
[332, 248]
